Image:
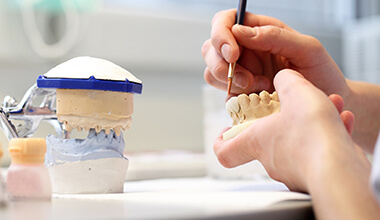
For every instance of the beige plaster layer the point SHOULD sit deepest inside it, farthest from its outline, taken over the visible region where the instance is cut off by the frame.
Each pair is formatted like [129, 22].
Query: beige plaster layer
[85, 109]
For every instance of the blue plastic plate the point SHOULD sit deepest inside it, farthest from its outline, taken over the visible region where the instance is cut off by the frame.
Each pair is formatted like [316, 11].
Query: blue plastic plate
[91, 83]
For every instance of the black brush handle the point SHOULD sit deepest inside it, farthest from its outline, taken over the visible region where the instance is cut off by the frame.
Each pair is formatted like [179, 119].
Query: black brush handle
[241, 12]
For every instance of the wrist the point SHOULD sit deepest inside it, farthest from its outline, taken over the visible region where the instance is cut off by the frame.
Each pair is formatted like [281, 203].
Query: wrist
[363, 100]
[334, 157]
[349, 95]
[341, 183]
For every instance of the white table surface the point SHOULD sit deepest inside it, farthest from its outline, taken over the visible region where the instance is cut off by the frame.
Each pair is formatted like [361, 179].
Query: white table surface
[175, 198]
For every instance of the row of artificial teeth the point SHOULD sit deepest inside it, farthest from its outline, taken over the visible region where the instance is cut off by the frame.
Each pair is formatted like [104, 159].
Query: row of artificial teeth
[244, 102]
[102, 136]
[98, 128]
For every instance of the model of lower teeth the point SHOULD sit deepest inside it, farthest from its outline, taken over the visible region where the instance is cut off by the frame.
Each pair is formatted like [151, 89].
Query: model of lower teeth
[97, 96]
[92, 165]
[244, 110]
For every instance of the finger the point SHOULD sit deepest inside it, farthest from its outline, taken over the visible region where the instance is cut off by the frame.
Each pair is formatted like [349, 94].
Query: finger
[211, 80]
[241, 149]
[246, 82]
[224, 151]
[296, 47]
[221, 37]
[251, 61]
[206, 47]
[289, 84]
[243, 81]
[256, 83]
[348, 119]
[254, 20]
[338, 101]
[230, 153]
[217, 66]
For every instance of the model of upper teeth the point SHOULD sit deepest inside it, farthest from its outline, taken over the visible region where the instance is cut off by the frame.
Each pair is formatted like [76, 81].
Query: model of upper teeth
[244, 110]
[95, 95]
[75, 108]
[80, 106]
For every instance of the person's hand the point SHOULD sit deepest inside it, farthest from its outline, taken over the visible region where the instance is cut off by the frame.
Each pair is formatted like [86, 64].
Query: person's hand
[267, 45]
[293, 144]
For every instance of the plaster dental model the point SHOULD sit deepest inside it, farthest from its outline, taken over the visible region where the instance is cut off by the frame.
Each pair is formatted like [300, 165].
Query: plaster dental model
[95, 95]
[244, 110]
[93, 165]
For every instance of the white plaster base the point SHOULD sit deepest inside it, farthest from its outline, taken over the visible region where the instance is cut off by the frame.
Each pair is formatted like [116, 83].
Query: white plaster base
[237, 129]
[105, 175]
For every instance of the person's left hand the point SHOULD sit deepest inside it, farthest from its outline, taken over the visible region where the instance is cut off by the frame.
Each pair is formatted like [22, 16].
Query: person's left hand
[291, 144]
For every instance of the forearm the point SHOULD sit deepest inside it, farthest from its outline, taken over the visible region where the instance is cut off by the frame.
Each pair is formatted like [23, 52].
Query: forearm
[364, 101]
[340, 188]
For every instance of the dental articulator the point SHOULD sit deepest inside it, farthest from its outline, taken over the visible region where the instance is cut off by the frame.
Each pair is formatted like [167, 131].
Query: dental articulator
[83, 93]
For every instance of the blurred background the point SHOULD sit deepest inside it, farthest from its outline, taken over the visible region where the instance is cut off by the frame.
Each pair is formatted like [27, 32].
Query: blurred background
[160, 41]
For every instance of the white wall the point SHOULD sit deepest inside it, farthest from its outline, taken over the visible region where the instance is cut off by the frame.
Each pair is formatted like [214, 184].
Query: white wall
[361, 50]
[160, 44]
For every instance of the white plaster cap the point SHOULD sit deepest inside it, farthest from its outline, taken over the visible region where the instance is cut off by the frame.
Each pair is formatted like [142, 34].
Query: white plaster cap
[84, 67]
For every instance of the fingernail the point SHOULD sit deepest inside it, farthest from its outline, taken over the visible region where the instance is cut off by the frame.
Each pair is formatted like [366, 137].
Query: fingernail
[240, 81]
[247, 31]
[226, 51]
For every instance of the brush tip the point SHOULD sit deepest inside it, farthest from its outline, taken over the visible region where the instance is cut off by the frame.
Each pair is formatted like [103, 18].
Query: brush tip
[229, 86]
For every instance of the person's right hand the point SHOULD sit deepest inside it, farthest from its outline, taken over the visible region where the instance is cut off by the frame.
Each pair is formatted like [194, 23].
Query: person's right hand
[267, 45]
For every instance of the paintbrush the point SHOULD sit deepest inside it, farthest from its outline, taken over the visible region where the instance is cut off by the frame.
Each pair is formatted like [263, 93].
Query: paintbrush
[239, 20]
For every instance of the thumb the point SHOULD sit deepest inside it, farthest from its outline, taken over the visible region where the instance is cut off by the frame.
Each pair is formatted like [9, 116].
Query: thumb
[248, 145]
[295, 91]
[251, 143]
[259, 140]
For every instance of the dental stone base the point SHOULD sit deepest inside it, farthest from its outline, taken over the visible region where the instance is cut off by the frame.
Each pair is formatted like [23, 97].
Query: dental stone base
[91, 176]
[85, 109]
[244, 110]
[237, 129]
[92, 165]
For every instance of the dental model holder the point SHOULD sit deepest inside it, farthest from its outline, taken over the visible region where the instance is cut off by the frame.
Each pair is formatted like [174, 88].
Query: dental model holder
[65, 77]
[30, 114]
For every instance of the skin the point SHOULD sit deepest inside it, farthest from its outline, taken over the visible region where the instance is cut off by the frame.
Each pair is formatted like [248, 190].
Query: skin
[310, 150]
[314, 148]
[267, 45]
